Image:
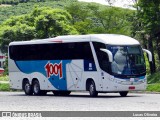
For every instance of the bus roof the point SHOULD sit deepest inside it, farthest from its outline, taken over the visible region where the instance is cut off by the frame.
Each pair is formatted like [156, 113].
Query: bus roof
[112, 39]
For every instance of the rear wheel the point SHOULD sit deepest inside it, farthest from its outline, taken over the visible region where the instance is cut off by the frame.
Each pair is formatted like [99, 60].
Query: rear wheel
[27, 88]
[92, 89]
[123, 94]
[36, 88]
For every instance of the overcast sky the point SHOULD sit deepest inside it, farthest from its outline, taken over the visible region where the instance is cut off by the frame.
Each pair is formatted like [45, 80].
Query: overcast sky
[118, 3]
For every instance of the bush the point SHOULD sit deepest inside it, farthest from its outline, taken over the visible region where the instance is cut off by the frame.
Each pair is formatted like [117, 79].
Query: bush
[4, 78]
[4, 87]
[155, 78]
[153, 87]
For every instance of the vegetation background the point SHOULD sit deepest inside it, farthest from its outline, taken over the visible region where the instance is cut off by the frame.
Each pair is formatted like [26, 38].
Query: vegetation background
[22, 20]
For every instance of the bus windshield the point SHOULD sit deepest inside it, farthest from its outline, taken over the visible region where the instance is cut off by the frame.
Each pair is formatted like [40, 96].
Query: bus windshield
[127, 60]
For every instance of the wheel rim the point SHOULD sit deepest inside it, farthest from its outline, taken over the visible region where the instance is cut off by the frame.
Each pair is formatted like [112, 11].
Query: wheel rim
[36, 88]
[27, 87]
[91, 88]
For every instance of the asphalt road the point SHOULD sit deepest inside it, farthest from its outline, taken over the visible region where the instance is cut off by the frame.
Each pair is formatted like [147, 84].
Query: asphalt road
[18, 101]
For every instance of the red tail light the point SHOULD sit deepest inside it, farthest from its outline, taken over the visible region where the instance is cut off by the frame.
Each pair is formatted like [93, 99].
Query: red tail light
[131, 87]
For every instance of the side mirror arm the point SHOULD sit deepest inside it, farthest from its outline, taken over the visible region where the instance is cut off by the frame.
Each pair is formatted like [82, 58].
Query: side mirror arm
[109, 54]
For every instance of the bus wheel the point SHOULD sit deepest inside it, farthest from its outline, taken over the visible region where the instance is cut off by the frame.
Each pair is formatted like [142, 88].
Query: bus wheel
[123, 94]
[36, 88]
[27, 88]
[92, 89]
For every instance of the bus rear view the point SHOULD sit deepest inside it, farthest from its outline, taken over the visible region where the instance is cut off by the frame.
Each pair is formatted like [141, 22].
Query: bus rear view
[98, 63]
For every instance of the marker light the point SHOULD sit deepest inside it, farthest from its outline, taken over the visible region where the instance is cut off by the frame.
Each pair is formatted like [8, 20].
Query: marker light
[131, 87]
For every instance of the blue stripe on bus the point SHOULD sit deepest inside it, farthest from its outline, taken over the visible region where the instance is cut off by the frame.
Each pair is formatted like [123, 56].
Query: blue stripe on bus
[59, 82]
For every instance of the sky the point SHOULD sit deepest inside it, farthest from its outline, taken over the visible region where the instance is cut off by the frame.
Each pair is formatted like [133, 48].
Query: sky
[118, 3]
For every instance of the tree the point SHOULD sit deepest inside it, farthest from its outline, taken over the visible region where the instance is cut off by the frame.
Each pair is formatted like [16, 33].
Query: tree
[111, 19]
[19, 32]
[42, 22]
[148, 19]
[80, 14]
[95, 18]
[52, 22]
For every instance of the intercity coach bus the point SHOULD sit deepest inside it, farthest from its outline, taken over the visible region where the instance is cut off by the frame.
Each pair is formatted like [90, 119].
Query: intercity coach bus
[98, 63]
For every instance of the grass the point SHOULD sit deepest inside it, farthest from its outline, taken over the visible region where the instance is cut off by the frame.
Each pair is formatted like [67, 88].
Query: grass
[155, 78]
[153, 87]
[153, 82]
[4, 78]
[4, 87]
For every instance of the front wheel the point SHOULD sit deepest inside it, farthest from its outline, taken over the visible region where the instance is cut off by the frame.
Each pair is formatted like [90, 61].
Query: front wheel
[92, 89]
[123, 94]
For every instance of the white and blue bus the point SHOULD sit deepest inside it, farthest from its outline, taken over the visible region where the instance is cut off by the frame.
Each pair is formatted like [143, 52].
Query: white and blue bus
[98, 63]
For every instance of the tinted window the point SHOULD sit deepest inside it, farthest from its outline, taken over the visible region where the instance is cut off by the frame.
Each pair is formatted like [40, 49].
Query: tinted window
[58, 51]
[102, 56]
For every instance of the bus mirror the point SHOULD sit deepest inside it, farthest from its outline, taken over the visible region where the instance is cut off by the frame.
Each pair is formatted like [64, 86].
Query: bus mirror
[108, 53]
[149, 54]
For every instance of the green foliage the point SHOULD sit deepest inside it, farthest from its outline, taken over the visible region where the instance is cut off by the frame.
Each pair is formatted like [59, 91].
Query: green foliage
[52, 22]
[42, 22]
[25, 8]
[5, 74]
[153, 87]
[95, 18]
[4, 87]
[146, 28]
[155, 78]
[153, 82]
[17, 32]
[15, 2]
[4, 78]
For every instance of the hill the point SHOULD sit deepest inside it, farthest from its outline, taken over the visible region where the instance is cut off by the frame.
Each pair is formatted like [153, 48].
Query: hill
[86, 17]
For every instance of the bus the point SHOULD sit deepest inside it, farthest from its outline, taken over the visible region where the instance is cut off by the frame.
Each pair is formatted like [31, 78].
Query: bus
[97, 63]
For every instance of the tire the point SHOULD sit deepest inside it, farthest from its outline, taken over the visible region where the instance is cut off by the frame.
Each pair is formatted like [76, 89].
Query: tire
[92, 89]
[123, 94]
[36, 88]
[27, 88]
